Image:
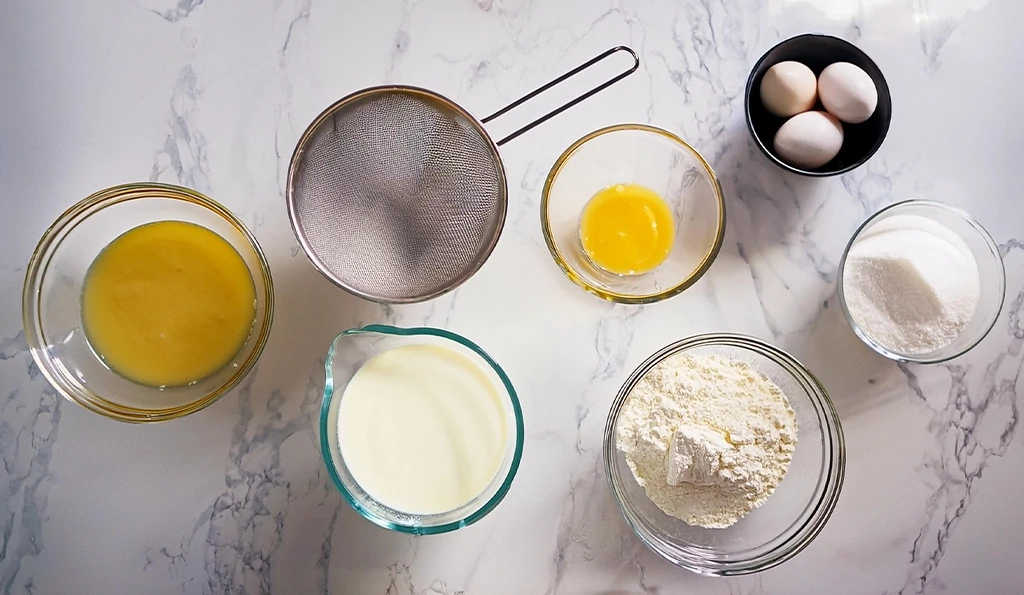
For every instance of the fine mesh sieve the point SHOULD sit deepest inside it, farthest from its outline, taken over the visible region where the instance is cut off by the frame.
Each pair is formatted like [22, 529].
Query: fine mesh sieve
[397, 194]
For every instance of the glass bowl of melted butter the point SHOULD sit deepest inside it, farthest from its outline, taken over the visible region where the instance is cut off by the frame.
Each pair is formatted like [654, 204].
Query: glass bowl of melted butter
[633, 214]
[147, 302]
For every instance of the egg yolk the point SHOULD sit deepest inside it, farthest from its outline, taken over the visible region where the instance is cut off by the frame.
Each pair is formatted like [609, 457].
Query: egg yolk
[627, 229]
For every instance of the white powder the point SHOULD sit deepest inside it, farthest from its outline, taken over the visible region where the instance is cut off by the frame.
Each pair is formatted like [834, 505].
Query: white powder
[695, 456]
[911, 284]
[724, 432]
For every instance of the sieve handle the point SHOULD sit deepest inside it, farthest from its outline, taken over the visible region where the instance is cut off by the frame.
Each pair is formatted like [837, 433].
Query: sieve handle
[568, 75]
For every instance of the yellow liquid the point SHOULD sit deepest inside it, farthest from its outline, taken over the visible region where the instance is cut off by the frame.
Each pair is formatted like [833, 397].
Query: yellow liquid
[627, 229]
[168, 303]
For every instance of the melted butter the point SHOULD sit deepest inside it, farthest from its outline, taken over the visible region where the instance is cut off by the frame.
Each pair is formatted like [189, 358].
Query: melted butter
[168, 303]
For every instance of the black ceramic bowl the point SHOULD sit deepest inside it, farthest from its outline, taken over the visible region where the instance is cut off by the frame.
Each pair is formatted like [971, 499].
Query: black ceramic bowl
[816, 51]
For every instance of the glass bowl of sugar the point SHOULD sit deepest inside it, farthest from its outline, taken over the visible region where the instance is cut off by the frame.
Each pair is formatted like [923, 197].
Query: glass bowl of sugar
[921, 281]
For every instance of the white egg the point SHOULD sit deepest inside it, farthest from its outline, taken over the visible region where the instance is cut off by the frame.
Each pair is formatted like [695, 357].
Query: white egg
[809, 140]
[847, 92]
[788, 88]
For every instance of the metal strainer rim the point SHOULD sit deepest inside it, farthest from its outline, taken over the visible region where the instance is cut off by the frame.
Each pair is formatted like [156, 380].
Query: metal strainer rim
[482, 255]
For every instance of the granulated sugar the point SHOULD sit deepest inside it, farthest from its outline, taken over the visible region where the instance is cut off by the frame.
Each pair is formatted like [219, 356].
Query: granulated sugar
[911, 284]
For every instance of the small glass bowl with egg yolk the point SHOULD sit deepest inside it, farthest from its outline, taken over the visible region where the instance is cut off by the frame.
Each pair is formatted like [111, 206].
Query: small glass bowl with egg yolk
[633, 214]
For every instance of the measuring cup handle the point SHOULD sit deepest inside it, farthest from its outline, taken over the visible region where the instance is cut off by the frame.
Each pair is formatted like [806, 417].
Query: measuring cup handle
[568, 75]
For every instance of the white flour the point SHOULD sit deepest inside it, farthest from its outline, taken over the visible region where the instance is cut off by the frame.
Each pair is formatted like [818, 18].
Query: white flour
[911, 284]
[731, 472]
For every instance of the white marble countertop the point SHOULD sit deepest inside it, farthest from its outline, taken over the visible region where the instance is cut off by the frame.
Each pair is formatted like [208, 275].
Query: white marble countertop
[213, 95]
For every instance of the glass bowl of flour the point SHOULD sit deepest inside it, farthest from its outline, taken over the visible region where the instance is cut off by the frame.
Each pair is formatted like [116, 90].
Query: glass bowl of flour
[921, 281]
[725, 454]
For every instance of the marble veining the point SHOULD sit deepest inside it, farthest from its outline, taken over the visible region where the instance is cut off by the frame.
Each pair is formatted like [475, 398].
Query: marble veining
[234, 539]
[171, 11]
[974, 426]
[29, 425]
[214, 94]
[182, 159]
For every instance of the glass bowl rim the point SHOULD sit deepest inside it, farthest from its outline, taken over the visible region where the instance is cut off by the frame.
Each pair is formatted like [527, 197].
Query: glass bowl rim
[929, 203]
[38, 267]
[832, 431]
[325, 449]
[709, 256]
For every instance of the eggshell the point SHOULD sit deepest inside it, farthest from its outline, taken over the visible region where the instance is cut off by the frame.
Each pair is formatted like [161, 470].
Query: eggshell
[809, 140]
[788, 88]
[847, 92]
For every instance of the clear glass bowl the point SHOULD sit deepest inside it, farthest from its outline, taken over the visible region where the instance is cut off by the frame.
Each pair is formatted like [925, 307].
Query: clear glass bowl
[348, 353]
[792, 516]
[659, 160]
[990, 270]
[51, 301]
